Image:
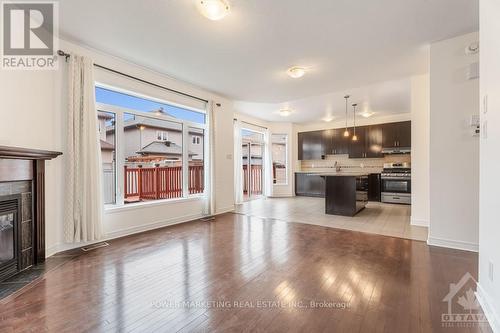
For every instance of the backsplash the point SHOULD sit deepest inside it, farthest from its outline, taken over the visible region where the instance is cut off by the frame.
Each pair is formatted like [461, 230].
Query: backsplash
[374, 165]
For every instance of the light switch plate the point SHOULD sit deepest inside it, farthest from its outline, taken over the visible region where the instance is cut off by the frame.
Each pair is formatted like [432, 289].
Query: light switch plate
[485, 104]
[484, 129]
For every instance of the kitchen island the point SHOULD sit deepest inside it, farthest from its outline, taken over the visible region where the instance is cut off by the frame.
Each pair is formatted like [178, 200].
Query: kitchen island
[345, 193]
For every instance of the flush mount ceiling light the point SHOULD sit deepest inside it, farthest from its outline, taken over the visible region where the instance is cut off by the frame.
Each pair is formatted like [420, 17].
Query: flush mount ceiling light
[296, 72]
[367, 114]
[213, 9]
[285, 112]
[328, 119]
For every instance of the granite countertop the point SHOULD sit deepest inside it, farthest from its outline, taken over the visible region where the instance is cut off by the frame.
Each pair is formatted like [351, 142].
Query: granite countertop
[343, 174]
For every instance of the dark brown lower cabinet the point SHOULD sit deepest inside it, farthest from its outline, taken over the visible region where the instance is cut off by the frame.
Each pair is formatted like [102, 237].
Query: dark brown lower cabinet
[309, 185]
[374, 187]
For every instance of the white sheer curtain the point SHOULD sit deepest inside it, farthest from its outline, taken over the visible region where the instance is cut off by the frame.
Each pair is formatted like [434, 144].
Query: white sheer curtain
[238, 163]
[83, 196]
[210, 167]
[268, 165]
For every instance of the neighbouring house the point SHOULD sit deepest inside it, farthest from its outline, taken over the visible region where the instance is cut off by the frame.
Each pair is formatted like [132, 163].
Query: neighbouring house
[149, 141]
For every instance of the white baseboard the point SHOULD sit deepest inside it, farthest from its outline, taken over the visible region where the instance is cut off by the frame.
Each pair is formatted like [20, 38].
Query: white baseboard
[453, 244]
[488, 309]
[419, 222]
[132, 230]
[224, 210]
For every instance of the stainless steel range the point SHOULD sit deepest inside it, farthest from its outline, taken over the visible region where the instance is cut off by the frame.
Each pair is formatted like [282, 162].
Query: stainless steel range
[396, 183]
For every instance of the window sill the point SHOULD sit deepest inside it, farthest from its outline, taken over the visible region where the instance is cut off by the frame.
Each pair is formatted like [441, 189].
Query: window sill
[110, 209]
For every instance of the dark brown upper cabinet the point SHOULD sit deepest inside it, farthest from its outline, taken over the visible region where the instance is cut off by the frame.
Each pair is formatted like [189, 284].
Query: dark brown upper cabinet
[311, 145]
[371, 140]
[340, 143]
[396, 135]
[357, 149]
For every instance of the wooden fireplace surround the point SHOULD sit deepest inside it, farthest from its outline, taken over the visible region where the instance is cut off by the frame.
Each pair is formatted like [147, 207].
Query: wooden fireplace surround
[18, 164]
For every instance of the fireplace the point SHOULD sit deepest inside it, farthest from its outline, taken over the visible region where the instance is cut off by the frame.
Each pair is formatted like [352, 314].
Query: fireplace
[9, 235]
[22, 208]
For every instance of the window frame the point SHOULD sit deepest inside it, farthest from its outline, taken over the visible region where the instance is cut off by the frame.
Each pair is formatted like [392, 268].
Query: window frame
[119, 112]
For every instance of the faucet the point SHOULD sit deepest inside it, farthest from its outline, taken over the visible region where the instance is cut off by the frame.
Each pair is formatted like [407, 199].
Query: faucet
[337, 166]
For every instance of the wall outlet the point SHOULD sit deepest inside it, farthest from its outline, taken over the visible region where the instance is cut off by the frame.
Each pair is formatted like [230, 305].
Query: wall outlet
[490, 271]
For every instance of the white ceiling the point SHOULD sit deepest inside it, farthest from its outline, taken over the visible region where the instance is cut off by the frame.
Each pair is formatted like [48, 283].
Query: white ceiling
[382, 99]
[345, 43]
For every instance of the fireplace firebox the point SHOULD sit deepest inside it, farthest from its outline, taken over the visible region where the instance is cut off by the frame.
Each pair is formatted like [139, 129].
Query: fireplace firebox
[9, 235]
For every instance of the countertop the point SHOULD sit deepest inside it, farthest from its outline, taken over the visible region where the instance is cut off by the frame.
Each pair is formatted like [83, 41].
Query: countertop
[343, 174]
[340, 173]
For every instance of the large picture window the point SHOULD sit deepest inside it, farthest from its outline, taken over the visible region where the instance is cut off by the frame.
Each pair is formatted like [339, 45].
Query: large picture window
[150, 150]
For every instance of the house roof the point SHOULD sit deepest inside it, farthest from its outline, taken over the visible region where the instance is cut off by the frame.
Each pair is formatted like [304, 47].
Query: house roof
[106, 145]
[162, 148]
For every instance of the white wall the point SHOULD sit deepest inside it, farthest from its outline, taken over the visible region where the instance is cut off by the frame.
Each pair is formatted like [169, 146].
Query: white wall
[489, 225]
[454, 153]
[32, 110]
[420, 128]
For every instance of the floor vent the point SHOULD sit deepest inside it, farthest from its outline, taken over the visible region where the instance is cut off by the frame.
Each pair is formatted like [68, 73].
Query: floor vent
[94, 246]
[208, 218]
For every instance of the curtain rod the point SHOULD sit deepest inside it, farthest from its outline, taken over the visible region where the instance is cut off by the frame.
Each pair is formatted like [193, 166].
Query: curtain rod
[246, 122]
[67, 55]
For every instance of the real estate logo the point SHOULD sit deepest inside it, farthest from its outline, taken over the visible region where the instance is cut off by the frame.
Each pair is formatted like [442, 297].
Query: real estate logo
[29, 35]
[463, 307]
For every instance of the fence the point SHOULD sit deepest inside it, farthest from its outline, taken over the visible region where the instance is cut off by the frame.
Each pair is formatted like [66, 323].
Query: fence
[161, 182]
[255, 185]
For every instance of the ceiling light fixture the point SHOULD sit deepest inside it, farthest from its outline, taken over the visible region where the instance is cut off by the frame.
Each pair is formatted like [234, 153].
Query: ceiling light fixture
[296, 72]
[367, 114]
[213, 9]
[285, 112]
[354, 136]
[346, 132]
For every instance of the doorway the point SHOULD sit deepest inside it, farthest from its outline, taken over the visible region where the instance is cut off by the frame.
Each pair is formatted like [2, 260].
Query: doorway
[252, 149]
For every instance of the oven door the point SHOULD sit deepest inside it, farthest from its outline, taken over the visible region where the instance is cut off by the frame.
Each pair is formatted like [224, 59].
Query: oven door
[396, 185]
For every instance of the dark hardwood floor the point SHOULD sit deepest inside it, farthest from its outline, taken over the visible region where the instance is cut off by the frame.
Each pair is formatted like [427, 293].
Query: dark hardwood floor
[240, 273]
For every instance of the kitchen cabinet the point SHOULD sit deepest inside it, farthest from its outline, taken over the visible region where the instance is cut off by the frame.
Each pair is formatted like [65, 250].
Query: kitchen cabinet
[396, 134]
[340, 143]
[371, 141]
[374, 187]
[309, 185]
[357, 149]
[311, 145]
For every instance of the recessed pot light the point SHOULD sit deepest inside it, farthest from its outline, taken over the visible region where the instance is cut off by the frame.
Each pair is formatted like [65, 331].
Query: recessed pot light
[285, 112]
[213, 9]
[296, 72]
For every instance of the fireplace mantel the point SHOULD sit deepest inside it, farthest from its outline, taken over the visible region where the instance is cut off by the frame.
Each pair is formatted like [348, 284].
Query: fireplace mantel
[27, 154]
[24, 164]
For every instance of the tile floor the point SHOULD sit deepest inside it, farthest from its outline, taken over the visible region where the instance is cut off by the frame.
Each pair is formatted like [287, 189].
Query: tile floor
[376, 218]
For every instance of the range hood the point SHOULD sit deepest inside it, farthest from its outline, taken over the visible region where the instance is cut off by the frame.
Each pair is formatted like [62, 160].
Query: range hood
[396, 150]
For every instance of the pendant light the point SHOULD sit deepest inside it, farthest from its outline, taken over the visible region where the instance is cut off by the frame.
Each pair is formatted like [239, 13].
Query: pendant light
[346, 132]
[354, 137]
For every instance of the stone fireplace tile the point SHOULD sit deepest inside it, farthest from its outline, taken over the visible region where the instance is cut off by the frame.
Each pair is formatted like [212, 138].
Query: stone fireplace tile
[5, 188]
[7, 289]
[21, 187]
[26, 206]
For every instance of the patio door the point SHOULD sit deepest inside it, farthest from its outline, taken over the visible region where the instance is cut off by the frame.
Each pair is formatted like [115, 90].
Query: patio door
[252, 154]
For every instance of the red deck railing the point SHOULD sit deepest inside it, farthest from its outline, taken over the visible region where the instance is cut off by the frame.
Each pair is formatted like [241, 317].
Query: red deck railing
[255, 185]
[161, 182]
